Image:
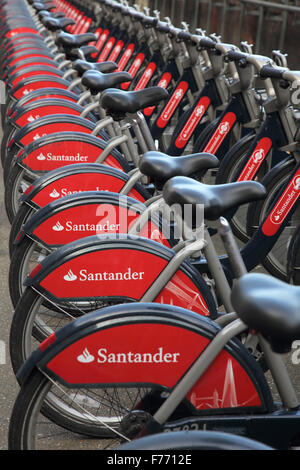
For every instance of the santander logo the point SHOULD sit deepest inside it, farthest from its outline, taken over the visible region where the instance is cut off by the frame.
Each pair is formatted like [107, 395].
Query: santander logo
[85, 357]
[224, 128]
[38, 136]
[105, 356]
[297, 184]
[70, 276]
[54, 194]
[33, 118]
[85, 276]
[258, 156]
[85, 227]
[58, 227]
[63, 158]
[283, 206]
[286, 203]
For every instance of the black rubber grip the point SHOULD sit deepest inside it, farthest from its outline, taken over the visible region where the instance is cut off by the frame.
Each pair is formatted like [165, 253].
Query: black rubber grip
[236, 55]
[137, 16]
[150, 20]
[267, 71]
[163, 27]
[185, 36]
[207, 43]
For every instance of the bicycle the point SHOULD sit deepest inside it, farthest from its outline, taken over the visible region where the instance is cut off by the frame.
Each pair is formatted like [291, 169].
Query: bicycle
[171, 398]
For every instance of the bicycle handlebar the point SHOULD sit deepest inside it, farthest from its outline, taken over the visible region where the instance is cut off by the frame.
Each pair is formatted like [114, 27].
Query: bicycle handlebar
[236, 56]
[163, 27]
[267, 71]
[203, 41]
[291, 76]
[185, 36]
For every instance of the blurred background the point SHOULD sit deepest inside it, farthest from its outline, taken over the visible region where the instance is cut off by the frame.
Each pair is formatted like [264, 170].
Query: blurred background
[268, 25]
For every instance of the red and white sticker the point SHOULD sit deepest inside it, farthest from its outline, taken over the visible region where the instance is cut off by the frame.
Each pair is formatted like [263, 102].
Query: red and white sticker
[116, 51]
[102, 39]
[256, 159]
[37, 85]
[106, 50]
[110, 272]
[220, 133]
[163, 83]
[52, 128]
[58, 154]
[283, 206]
[137, 353]
[42, 111]
[191, 124]
[125, 57]
[134, 68]
[172, 104]
[155, 353]
[146, 76]
[80, 182]
[84, 220]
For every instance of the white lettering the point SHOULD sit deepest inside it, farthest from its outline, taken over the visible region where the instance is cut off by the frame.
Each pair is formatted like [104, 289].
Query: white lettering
[84, 275]
[67, 158]
[139, 358]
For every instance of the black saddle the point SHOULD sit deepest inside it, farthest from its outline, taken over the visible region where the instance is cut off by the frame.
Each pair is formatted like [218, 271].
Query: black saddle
[269, 306]
[216, 199]
[56, 24]
[38, 6]
[73, 41]
[49, 14]
[82, 66]
[118, 102]
[96, 81]
[161, 167]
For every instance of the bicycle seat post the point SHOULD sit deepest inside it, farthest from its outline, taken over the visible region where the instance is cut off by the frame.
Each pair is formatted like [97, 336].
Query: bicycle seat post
[231, 247]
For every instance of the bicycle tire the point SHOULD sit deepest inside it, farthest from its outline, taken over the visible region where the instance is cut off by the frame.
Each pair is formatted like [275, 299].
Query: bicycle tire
[148, 318]
[17, 178]
[24, 213]
[24, 412]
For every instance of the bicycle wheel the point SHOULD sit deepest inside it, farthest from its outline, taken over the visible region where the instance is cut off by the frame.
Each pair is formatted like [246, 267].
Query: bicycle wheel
[30, 428]
[17, 182]
[38, 318]
[137, 330]
[25, 257]
[276, 260]
[22, 216]
[39, 313]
